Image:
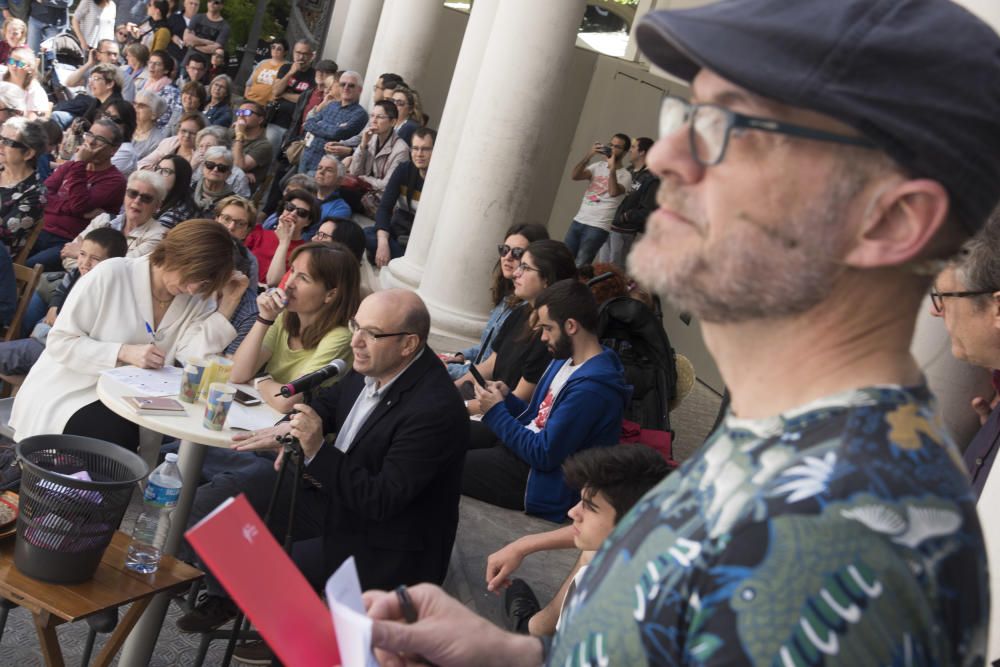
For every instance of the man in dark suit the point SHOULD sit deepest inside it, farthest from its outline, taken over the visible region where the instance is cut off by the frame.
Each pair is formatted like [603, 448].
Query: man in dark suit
[383, 450]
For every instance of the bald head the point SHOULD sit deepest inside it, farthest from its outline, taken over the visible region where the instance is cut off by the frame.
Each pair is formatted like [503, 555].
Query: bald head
[392, 328]
[410, 310]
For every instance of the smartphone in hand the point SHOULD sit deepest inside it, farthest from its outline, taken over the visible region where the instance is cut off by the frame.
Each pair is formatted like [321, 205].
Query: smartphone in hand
[480, 380]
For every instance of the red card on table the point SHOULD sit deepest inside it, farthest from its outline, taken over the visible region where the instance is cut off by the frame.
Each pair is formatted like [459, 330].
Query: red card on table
[264, 582]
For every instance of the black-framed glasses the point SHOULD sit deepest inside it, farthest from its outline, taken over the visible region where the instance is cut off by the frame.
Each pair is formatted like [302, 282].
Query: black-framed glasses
[216, 166]
[89, 136]
[516, 253]
[709, 127]
[299, 211]
[937, 298]
[144, 197]
[164, 170]
[11, 143]
[322, 237]
[370, 336]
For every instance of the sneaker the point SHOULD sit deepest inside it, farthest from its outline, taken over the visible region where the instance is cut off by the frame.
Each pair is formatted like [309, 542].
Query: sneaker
[209, 614]
[520, 603]
[253, 653]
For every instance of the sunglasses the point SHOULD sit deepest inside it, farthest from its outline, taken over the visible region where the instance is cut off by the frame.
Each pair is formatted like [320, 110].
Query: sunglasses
[216, 166]
[145, 198]
[301, 212]
[243, 113]
[14, 62]
[516, 253]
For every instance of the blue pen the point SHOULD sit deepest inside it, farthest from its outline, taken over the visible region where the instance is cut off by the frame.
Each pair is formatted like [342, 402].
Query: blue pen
[149, 330]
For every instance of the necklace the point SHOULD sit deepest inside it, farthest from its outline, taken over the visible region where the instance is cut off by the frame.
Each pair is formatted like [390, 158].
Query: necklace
[162, 302]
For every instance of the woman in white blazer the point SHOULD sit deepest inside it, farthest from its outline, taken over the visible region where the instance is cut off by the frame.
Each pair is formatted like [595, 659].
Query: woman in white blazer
[103, 325]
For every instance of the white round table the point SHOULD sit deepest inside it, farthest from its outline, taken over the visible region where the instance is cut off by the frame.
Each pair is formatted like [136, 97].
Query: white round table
[194, 438]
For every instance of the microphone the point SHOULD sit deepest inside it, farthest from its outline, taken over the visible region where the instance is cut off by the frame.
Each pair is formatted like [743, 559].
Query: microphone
[314, 379]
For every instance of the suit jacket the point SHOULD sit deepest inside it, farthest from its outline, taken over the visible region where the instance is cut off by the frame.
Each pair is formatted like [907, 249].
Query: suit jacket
[392, 498]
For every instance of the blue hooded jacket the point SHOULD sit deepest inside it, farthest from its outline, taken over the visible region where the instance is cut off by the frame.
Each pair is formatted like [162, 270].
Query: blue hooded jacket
[587, 412]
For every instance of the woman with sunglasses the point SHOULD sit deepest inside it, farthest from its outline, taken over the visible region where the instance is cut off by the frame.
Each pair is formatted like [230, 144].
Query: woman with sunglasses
[504, 300]
[185, 292]
[519, 357]
[214, 184]
[300, 210]
[410, 114]
[20, 70]
[178, 205]
[180, 144]
[219, 110]
[15, 34]
[214, 135]
[144, 193]
[147, 136]
[302, 327]
[259, 85]
[122, 114]
[22, 194]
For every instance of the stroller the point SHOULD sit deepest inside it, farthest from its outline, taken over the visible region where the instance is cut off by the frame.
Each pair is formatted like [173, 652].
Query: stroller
[60, 53]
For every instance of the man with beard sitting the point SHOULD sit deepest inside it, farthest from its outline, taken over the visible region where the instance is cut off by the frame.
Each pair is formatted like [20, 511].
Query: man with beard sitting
[577, 404]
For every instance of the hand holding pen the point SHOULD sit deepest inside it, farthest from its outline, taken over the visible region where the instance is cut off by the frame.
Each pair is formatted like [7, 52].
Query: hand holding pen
[143, 356]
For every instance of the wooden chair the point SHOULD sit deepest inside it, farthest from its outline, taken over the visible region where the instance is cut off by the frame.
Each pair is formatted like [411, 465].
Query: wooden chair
[27, 282]
[22, 254]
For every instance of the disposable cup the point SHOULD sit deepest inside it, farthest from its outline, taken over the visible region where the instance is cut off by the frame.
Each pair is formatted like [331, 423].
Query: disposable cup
[194, 373]
[220, 399]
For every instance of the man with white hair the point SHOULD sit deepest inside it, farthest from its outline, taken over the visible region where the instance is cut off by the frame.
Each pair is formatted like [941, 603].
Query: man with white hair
[329, 173]
[333, 121]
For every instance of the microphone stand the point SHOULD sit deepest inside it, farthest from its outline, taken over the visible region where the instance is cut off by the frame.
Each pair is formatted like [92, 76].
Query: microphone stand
[291, 467]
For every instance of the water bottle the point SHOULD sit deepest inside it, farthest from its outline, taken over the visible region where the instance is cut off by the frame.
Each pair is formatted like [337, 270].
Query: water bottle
[163, 488]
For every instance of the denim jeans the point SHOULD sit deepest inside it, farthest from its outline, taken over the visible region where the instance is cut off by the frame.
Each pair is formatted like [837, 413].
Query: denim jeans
[371, 241]
[33, 314]
[584, 241]
[46, 251]
[38, 32]
[616, 248]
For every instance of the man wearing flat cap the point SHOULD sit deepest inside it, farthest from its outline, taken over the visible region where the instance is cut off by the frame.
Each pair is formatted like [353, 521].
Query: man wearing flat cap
[833, 154]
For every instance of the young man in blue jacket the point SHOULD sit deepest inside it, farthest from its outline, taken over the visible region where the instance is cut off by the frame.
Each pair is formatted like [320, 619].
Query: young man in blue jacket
[577, 404]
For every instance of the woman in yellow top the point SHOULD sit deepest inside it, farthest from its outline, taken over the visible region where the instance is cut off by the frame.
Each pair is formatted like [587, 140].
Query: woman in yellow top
[302, 327]
[258, 88]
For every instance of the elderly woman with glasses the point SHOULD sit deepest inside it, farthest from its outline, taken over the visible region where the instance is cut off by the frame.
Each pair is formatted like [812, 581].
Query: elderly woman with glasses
[22, 194]
[214, 135]
[144, 193]
[219, 110]
[20, 70]
[300, 210]
[173, 304]
[214, 184]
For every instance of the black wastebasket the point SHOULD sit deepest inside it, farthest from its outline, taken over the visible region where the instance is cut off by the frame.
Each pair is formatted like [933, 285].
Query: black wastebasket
[64, 524]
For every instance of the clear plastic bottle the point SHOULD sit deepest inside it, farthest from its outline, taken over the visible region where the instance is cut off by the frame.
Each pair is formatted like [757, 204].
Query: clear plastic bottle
[163, 488]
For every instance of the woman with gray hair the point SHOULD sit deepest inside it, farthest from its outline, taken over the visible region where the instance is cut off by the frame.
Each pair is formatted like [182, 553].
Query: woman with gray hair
[147, 136]
[144, 192]
[220, 101]
[214, 135]
[213, 185]
[22, 194]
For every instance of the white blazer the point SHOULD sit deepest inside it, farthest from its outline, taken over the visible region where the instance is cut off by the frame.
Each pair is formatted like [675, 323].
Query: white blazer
[107, 308]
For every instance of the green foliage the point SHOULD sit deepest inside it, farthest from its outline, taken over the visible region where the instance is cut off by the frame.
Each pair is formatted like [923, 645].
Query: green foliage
[240, 14]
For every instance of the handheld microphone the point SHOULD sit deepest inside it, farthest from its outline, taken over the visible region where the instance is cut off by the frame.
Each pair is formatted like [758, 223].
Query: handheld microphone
[314, 379]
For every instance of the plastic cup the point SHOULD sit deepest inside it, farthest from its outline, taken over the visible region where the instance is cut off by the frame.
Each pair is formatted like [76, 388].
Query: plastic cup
[194, 373]
[219, 370]
[220, 399]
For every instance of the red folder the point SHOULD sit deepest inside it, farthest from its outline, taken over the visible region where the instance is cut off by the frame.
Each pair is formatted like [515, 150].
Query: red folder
[265, 583]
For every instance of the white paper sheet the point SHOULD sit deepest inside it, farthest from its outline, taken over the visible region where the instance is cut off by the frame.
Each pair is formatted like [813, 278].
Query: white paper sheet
[354, 628]
[164, 381]
[250, 419]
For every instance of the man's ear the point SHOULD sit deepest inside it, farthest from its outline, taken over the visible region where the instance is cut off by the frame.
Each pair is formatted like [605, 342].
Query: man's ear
[571, 327]
[899, 224]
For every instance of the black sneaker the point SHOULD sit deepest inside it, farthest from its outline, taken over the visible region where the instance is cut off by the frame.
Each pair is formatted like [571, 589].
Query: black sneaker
[520, 603]
[209, 614]
[253, 653]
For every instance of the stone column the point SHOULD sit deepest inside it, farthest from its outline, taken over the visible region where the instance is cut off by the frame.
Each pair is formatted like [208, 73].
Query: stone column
[403, 42]
[358, 35]
[516, 102]
[407, 271]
